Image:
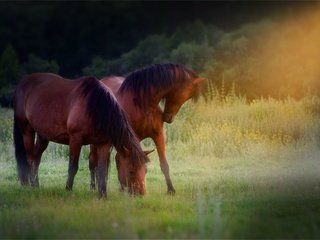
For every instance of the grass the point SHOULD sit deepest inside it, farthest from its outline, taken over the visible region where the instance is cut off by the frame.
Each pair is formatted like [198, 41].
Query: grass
[240, 171]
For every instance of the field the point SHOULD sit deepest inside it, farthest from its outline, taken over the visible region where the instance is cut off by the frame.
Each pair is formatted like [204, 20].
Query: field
[240, 171]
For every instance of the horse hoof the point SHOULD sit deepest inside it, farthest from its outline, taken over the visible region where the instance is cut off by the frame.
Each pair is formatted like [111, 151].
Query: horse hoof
[92, 187]
[171, 192]
[34, 182]
[25, 183]
[102, 195]
[35, 185]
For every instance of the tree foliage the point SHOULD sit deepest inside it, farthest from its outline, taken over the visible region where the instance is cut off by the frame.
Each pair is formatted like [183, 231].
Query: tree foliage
[37, 64]
[11, 71]
[9, 67]
[98, 68]
[266, 58]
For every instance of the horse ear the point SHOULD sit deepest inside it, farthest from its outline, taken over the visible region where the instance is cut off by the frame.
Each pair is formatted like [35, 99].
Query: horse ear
[147, 152]
[199, 80]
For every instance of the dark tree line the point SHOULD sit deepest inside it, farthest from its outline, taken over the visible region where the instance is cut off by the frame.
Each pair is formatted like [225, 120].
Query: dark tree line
[72, 32]
[217, 39]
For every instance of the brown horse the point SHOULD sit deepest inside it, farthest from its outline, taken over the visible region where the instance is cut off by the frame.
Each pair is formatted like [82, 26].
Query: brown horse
[140, 94]
[75, 113]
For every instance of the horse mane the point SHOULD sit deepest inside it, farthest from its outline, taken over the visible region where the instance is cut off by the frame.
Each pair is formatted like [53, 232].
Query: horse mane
[158, 76]
[109, 119]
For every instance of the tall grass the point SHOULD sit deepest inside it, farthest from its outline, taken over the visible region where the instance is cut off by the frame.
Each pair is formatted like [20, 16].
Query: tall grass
[236, 129]
[241, 170]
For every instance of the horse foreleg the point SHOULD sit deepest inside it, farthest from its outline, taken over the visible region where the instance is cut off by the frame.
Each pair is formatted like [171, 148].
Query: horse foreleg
[160, 145]
[93, 163]
[121, 178]
[74, 148]
[41, 145]
[103, 153]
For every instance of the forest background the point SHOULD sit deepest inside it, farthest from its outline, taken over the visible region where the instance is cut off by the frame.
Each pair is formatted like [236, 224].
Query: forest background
[253, 48]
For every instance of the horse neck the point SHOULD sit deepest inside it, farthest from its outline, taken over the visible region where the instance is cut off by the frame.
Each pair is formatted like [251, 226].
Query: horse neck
[155, 97]
[127, 99]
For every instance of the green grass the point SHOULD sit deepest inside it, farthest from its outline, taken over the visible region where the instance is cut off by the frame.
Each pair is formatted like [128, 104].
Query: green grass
[240, 171]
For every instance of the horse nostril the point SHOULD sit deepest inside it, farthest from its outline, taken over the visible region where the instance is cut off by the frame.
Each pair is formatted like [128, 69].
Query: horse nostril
[168, 118]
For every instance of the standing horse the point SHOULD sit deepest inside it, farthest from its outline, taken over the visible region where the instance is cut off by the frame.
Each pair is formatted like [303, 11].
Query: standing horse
[140, 94]
[74, 113]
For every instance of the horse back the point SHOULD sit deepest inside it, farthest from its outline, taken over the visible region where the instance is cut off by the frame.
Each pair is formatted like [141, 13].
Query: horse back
[49, 103]
[44, 91]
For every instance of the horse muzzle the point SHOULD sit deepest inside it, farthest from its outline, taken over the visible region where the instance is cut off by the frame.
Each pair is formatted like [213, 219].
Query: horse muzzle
[168, 118]
[137, 189]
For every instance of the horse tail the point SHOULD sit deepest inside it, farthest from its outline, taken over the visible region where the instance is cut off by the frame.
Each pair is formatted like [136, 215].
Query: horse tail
[20, 153]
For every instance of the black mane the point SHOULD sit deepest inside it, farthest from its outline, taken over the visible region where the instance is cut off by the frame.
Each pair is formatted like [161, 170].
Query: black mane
[108, 118]
[159, 76]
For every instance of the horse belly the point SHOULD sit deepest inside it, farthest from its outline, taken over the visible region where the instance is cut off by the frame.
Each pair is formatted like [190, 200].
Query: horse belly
[61, 138]
[48, 127]
[52, 134]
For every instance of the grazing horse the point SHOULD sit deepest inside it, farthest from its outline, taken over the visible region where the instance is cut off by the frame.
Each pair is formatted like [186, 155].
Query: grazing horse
[140, 94]
[75, 113]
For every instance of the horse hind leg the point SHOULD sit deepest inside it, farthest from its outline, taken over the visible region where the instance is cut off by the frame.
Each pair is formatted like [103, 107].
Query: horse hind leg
[28, 140]
[41, 145]
[20, 151]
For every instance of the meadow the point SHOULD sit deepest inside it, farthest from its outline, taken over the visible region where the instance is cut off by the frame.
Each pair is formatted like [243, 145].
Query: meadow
[241, 170]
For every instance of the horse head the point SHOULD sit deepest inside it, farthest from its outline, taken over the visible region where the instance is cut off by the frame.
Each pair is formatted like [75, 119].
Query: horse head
[171, 82]
[179, 95]
[130, 175]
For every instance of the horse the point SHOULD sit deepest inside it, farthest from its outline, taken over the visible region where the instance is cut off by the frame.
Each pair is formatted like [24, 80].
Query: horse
[75, 113]
[140, 94]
